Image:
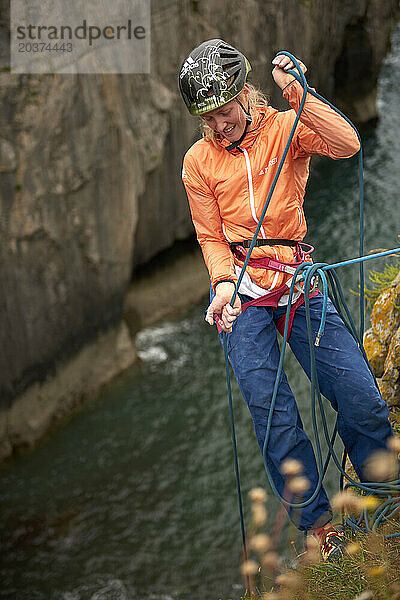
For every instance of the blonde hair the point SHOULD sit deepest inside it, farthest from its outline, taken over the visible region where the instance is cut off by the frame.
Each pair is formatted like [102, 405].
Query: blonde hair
[256, 99]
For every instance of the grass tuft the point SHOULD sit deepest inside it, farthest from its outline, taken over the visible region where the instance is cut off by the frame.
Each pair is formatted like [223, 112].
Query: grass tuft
[374, 568]
[372, 571]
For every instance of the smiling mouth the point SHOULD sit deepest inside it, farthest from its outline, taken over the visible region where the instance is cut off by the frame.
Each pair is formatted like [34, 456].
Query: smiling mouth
[229, 130]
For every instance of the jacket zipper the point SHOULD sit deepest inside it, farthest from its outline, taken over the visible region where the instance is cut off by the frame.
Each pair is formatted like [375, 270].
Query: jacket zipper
[251, 192]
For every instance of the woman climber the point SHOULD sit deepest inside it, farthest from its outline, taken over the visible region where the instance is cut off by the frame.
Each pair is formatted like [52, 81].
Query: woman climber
[227, 175]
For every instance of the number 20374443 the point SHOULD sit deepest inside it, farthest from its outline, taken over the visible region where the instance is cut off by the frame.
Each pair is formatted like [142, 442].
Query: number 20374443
[45, 47]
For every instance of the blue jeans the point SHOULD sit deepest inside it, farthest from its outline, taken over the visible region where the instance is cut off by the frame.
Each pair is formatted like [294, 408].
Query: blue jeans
[344, 379]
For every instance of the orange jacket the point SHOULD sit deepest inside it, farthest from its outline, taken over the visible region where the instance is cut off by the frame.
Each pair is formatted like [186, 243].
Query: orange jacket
[227, 191]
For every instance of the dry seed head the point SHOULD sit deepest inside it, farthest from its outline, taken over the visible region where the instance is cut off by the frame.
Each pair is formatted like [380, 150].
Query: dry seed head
[347, 501]
[377, 571]
[298, 485]
[291, 466]
[258, 494]
[270, 561]
[382, 466]
[312, 542]
[249, 567]
[259, 514]
[393, 444]
[370, 502]
[353, 548]
[312, 554]
[312, 557]
[260, 543]
[367, 595]
[289, 580]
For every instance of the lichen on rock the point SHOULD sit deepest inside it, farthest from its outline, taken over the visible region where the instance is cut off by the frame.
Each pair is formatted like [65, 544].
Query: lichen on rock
[382, 342]
[376, 352]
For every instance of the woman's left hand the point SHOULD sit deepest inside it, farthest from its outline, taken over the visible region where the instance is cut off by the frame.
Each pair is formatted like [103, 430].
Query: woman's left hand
[220, 308]
[282, 63]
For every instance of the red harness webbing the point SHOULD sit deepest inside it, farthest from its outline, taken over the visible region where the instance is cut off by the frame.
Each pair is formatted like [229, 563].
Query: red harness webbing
[271, 299]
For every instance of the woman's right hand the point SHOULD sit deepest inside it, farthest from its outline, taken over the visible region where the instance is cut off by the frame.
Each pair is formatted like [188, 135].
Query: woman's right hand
[221, 306]
[282, 63]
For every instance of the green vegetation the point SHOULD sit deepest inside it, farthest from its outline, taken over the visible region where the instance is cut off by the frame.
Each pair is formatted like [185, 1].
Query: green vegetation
[370, 571]
[372, 565]
[380, 280]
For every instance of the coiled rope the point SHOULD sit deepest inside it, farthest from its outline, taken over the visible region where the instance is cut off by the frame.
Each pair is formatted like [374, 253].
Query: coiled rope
[330, 288]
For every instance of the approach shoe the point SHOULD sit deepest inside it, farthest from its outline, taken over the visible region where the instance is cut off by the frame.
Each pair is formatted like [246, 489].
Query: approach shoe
[332, 543]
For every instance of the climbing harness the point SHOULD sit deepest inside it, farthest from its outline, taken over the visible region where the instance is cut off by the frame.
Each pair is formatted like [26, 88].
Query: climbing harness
[272, 298]
[307, 272]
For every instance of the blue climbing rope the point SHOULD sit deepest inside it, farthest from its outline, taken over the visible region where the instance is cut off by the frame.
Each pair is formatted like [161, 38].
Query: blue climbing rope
[330, 287]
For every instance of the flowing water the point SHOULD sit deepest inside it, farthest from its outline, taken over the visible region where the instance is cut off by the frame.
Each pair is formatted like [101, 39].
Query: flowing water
[135, 498]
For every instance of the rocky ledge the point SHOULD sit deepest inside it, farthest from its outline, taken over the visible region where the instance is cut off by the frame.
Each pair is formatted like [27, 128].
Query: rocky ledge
[382, 344]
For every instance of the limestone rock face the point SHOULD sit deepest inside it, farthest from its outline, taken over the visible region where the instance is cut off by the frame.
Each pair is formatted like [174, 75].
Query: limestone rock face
[376, 352]
[90, 164]
[46, 404]
[385, 314]
[382, 343]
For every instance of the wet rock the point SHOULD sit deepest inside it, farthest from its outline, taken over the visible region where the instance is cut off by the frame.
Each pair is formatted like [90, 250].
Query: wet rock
[47, 404]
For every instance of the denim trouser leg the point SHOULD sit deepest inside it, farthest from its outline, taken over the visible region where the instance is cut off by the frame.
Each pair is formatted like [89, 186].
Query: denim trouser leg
[345, 380]
[254, 355]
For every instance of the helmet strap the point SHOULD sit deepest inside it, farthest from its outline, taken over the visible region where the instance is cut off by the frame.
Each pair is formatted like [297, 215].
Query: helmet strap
[246, 112]
[249, 120]
[234, 145]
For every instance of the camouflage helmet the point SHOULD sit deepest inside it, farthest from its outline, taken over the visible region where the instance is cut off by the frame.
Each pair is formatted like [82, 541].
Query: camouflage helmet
[213, 74]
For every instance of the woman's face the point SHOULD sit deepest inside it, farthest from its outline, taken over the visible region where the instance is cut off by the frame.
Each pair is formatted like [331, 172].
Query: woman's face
[228, 120]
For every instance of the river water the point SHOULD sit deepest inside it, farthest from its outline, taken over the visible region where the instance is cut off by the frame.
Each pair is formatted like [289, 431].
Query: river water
[135, 498]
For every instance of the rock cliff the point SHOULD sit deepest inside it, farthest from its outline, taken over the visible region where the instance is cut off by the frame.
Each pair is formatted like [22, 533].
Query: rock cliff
[382, 344]
[89, 178]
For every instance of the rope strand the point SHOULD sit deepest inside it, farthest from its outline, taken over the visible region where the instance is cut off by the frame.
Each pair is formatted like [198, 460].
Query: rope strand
[330, 287]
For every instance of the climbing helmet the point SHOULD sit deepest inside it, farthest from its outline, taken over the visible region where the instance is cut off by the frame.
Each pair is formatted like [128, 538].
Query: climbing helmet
[213, 74]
